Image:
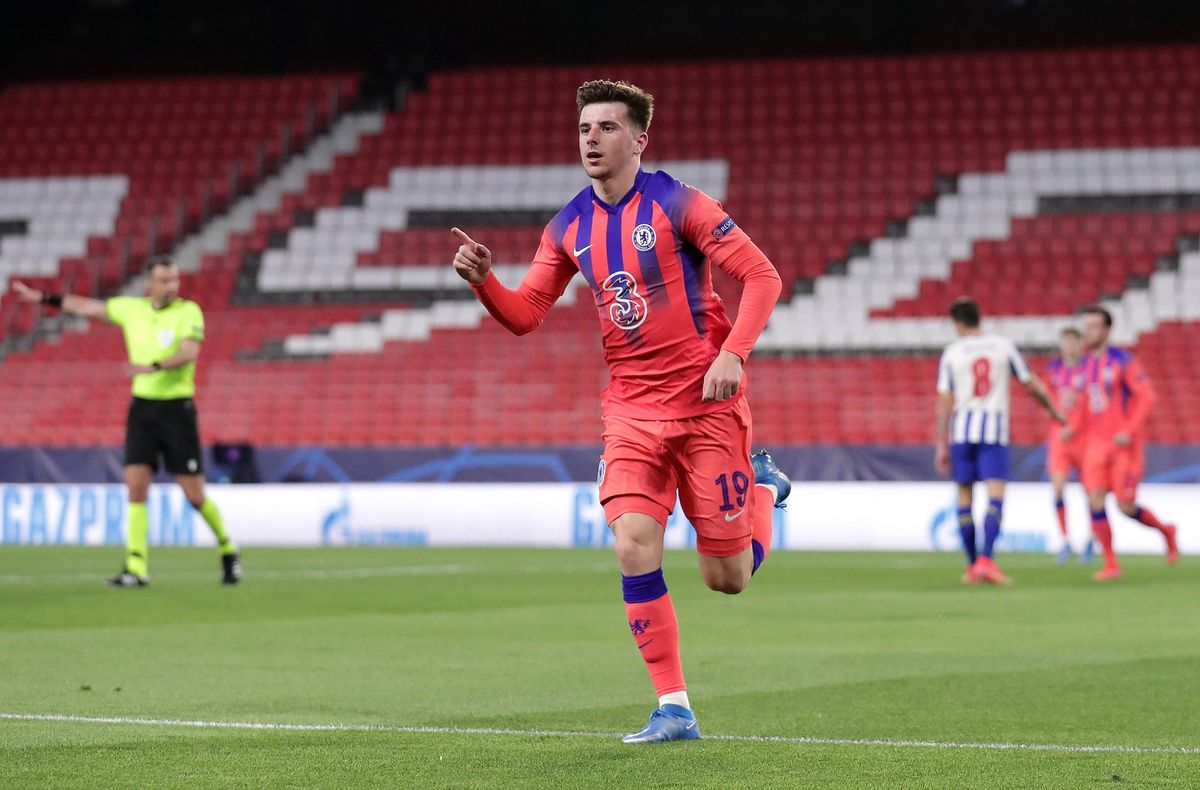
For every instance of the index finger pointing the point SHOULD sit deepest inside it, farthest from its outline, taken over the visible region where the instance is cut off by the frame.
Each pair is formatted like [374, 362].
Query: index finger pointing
[463, 237]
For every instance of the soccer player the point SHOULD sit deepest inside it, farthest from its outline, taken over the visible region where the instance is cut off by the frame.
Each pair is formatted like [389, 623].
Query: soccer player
[972, 430]
[1065, 376]
[676, 421]
[1117, 395]
[162, 335]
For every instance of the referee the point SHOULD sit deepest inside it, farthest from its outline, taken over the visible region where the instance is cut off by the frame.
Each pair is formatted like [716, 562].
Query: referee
[162, 334]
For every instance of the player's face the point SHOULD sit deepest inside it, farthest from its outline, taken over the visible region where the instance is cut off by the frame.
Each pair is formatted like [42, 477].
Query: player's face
[608, 142]
[1068, 346]
[1095, 333]
[162, 284]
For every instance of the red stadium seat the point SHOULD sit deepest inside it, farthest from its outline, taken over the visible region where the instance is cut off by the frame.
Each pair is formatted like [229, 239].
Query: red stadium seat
[821, 153]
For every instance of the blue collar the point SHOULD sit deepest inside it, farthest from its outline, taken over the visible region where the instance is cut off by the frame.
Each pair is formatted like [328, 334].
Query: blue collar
[639, 184]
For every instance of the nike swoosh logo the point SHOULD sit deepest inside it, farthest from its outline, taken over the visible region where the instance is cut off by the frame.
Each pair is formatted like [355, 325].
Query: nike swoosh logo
[736, 516]
[643, 644]
[581, 252]
[690, 725]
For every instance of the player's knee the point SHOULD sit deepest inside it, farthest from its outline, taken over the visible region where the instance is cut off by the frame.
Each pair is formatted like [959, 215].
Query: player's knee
[1128, 508]
[630, 553]
[636, 543]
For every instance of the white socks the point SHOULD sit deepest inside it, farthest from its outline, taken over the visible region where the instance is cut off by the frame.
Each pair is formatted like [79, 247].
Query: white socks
[675, 698]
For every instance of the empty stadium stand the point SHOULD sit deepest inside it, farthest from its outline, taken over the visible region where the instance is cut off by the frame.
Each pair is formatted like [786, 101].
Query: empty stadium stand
[880, 187]
[97, 175]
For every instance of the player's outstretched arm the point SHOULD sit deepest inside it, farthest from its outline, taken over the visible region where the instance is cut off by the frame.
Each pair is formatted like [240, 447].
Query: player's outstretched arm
[1038, 391]
[69, 303]
[473, 261]
[519, 311]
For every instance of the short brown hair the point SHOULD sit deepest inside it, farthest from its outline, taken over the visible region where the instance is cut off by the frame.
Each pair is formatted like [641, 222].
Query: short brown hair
[965, 311]
[1095, 309]
[639, 103]
[154, 261]
[1071, 331]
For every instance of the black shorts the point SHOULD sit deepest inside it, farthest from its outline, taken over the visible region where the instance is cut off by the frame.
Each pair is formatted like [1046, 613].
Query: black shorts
[164, 428]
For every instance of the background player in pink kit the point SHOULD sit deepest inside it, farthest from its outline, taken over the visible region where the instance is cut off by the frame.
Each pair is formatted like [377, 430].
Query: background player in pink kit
[1064, 378]
[1117, 395]
[972, 428]
[676, 421]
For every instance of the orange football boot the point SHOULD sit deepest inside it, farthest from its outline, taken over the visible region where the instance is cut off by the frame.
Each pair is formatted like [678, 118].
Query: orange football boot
[986, 570]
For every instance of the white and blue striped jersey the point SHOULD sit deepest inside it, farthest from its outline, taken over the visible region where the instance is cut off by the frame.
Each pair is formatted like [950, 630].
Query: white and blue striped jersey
[976, 369]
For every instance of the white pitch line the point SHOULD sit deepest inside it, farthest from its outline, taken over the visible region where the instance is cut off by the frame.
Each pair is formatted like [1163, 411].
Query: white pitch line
[330, 573]
[534, 733]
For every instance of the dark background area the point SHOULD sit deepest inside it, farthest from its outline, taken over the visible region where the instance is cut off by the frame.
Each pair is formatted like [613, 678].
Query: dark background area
[66, 39]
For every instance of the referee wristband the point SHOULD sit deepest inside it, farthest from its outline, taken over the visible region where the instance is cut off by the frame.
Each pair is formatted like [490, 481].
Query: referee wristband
[156, 365]
[54, 300]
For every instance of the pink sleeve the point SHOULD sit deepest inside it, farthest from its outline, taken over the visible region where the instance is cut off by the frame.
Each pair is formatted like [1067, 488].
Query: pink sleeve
[717, 236]
[522, 310]
[1143, 395]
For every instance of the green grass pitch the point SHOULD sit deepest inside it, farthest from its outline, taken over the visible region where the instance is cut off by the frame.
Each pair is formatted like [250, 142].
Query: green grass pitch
[842, 648]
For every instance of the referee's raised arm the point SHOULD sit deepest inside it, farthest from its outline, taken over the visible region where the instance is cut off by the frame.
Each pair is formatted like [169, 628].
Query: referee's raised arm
[84, 306]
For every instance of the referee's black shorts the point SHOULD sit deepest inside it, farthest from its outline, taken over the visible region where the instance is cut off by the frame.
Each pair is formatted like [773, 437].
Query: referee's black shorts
[165, 428]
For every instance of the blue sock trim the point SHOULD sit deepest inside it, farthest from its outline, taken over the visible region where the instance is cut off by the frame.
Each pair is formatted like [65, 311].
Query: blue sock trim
[1099, 515]
[1137, 514]
[1058, 503]
[758, 552]
[646, 587]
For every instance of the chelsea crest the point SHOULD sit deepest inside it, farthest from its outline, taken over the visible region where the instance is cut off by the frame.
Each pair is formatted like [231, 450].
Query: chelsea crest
[644, 237]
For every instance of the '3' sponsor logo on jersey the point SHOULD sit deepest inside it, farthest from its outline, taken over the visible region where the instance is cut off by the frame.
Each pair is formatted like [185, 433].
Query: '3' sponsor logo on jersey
[628, 309]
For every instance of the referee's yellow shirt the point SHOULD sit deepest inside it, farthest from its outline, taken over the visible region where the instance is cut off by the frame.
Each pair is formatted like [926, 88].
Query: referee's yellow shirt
[152, 336]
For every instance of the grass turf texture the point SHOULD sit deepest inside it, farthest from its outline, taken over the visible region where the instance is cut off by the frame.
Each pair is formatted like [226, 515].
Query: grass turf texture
[841, 646]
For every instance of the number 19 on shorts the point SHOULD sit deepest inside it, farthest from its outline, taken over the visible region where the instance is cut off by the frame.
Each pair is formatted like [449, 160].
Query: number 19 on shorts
[741, 484]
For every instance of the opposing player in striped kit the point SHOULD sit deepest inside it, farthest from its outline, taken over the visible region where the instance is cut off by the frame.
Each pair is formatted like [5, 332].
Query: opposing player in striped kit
[973, 428]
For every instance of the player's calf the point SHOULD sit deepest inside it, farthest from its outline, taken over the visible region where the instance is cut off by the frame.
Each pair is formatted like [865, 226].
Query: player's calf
[771, 489]
[1143, 516]
[729, 575]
